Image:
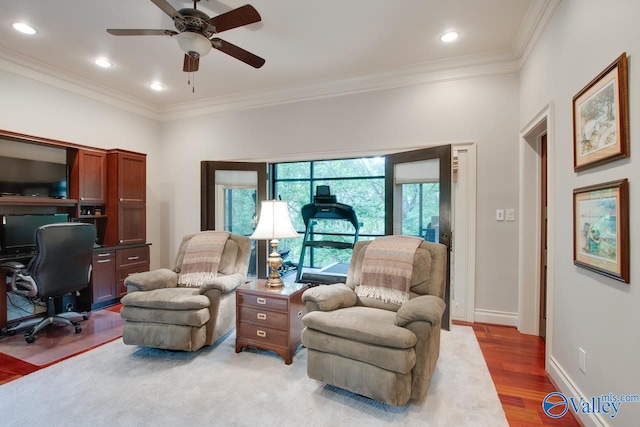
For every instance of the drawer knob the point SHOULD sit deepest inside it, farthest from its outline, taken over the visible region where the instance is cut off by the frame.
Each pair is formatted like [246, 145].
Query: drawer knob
[261, 300]
[261, 316]
[261, 334]
[102, 261]
[133, 258]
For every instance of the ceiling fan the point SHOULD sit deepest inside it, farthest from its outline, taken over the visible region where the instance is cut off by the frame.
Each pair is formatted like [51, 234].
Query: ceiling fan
[196, 32]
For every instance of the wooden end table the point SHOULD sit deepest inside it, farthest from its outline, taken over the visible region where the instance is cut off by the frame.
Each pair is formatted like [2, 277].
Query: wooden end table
[270, 318]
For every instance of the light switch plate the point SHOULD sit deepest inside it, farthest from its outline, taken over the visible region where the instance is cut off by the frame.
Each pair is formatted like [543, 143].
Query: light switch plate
[511, 214]
[499, 214]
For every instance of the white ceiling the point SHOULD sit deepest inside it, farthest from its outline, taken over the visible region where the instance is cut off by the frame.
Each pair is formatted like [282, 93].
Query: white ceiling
[319, 44]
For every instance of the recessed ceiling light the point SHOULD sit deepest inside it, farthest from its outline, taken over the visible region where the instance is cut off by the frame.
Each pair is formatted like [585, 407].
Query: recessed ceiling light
[103, 62]
[449, 36]
[156, 86]
[24, 28]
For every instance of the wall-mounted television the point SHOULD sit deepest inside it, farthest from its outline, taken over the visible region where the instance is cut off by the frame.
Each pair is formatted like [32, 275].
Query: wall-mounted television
[18, 232]
[36, 178]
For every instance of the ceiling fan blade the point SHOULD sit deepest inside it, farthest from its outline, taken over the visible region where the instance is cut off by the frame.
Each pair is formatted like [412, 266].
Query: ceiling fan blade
[190, 64]
[140, 32]
[243, 15]
[167, 8]
[238, 53]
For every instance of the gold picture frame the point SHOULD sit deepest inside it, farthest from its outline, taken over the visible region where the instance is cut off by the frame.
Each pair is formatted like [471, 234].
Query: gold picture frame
[601, 118]
[601, 229]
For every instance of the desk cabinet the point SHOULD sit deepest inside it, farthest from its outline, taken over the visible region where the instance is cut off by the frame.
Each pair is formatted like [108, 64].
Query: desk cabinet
[270, 318]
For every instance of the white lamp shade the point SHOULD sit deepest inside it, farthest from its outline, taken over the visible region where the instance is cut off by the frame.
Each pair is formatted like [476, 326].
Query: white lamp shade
[274, 222]
[194, 42]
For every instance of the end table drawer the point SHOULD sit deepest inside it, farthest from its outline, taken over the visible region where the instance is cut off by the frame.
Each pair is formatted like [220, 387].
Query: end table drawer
[265, 335]
[247, 299]
[263, 317]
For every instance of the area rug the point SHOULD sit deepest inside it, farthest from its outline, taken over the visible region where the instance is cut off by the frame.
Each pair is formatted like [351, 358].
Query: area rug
[124, 385]
[58, 342]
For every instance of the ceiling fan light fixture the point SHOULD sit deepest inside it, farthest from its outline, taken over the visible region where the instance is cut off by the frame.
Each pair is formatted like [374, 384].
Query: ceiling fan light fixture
[191, 43]
[449, 36]
[24, 28]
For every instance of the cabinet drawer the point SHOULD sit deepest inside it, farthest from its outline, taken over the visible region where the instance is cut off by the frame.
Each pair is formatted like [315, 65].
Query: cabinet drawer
[251, 300]
[264, 335]
[123, 273]
[271, 319]
[132, 256]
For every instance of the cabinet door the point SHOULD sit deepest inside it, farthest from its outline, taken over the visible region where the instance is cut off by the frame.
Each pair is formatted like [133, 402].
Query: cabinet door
[103, 279]
[88, 176]
[92, 176]
[132, 177]
[132, 219]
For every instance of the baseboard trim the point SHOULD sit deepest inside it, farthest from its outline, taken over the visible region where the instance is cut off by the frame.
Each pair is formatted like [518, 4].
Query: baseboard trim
[496, 317]
[565, 385]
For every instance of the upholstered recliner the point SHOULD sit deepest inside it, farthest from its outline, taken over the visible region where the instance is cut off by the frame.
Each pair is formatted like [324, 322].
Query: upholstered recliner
[158, 312]
[378, 349]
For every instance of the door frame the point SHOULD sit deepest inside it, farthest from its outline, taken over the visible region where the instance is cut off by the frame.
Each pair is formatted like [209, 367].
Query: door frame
[443, 153]
[529, 257]
[208, 200]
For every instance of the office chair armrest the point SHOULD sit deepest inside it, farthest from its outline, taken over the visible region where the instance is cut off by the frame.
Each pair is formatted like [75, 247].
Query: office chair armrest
[150, 280]
[224, 284]
[329, 297]
[426, 308]
[13, 266]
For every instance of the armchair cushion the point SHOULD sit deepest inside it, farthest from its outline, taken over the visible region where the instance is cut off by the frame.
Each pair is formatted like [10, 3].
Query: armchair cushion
[328, 298]
[224, 284]
[427, 308]
[169, 299]
[362, 324]
[150, 280]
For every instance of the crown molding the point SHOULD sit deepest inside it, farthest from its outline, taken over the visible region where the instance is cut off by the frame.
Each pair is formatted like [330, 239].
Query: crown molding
[26, 67]
[534, 24]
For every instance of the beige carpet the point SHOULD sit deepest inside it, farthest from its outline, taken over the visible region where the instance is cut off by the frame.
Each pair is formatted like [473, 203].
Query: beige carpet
[57, 342]
[133, 386]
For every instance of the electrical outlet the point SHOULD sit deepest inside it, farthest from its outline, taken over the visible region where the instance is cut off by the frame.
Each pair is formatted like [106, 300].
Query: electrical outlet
[511, 214]
[499, 214]
[582, 360]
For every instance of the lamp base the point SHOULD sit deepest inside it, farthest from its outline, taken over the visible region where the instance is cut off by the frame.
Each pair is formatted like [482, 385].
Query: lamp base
[275, 261]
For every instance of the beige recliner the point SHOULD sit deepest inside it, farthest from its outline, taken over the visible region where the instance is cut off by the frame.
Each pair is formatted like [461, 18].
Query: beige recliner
[381, 350]
[159, 313]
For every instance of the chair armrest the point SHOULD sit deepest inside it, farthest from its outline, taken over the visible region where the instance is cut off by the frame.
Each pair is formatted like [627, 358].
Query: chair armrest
[426, 308]
[150, 280]
[13, 266]
[329, 297]
[224, 284]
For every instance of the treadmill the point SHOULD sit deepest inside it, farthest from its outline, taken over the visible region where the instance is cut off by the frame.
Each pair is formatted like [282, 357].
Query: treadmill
[325, 207]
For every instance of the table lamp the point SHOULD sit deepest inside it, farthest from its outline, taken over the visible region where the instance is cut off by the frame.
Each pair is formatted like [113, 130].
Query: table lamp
[274, 223]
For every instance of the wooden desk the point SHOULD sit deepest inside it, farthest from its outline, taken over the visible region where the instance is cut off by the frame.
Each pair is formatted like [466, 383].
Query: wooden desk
[270, 318]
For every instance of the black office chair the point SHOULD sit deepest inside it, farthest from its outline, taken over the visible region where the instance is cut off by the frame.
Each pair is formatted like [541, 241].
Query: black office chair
[62, 265]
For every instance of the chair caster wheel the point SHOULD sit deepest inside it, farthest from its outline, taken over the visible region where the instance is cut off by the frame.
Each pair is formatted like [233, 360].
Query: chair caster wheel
[78, 329]
[85, 317]
[30, 339]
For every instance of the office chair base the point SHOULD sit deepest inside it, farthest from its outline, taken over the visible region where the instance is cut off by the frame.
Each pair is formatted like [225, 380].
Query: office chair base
[39, 324]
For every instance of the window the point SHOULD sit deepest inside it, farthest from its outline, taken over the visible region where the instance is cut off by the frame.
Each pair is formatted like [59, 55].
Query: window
[356, 182]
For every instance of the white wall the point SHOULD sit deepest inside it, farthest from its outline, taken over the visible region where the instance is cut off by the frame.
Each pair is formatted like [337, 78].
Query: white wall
[34, 108]
[483, 110]
[597, 314]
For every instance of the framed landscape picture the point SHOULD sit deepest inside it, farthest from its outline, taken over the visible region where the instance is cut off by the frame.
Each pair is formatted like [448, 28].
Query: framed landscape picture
[601, 229]
[601, 118]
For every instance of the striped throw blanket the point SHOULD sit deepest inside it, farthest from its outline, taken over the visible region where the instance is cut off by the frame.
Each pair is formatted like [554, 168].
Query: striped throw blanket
[202, 258]
[387, 268]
